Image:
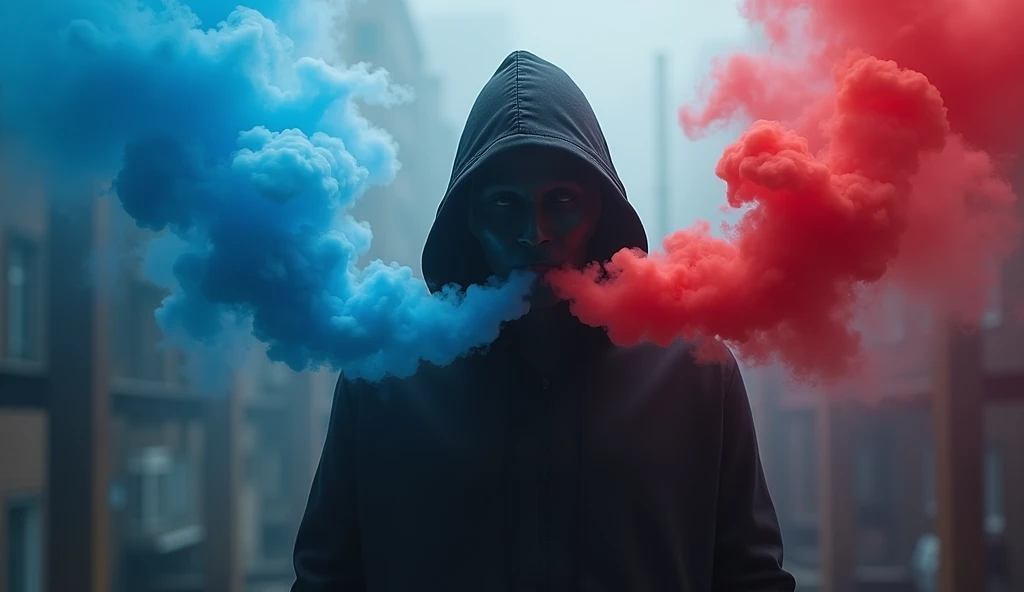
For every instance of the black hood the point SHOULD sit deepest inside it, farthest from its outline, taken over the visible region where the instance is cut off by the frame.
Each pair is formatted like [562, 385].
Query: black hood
[527, 102]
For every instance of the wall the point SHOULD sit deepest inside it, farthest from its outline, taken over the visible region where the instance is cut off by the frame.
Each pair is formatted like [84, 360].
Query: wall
[23, 460]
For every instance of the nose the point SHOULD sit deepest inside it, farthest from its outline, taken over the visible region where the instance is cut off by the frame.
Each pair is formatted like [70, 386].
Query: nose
[534, 234]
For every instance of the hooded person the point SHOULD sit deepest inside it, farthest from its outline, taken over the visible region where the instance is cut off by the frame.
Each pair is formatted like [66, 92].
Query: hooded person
[552, 460]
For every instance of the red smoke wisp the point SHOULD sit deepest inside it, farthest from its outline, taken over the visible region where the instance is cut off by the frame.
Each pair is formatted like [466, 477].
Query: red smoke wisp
[880, 153]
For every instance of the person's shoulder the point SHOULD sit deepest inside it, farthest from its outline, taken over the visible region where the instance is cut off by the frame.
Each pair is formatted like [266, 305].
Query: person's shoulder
[692, 372]
[678, 378]
[683, 356]
[426, 377]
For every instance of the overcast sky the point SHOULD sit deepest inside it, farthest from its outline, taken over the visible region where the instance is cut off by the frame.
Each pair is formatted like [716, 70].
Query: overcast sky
[608, 48]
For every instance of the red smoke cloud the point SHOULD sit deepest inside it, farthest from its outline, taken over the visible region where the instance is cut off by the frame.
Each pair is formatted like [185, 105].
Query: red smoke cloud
[880, 153]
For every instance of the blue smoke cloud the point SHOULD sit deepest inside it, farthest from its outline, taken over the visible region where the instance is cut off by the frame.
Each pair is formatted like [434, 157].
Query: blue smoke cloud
[251, 158]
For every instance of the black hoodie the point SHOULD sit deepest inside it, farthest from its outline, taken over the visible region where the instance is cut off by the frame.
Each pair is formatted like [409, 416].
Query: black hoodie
[629, 470]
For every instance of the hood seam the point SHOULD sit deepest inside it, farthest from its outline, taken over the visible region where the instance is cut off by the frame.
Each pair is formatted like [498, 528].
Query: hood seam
[519, 110]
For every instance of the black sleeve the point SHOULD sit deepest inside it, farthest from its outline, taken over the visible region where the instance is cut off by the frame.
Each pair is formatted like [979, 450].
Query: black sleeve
[748, 544]
[327, 549]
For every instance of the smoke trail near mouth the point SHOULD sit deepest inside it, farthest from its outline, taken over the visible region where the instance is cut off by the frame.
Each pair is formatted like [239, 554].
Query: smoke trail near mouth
[250, 156]
[874, 166]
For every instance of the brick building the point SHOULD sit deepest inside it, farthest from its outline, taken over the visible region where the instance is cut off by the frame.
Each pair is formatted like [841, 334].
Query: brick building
[931, 444]
[383, 33]
[115, 473]
[150, 479]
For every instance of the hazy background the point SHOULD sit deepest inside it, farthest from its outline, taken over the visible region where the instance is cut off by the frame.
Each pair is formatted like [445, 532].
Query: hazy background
[204, 493]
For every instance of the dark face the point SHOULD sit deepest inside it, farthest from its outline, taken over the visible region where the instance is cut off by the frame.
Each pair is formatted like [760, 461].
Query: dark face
[537, 211]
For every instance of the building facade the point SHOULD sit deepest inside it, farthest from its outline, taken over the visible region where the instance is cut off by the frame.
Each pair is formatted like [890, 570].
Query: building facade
[116, 474]
[382, 33]
[860, 470]
[156, 448]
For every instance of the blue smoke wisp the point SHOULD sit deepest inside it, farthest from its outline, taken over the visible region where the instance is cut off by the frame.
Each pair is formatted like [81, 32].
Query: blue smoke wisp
[250, 157]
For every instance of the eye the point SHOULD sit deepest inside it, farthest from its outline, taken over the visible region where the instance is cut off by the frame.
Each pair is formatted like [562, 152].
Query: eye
[563, 196]
[498, 199]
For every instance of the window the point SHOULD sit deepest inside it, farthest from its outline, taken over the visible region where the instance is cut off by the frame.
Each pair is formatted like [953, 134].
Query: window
[866, 475]
[21, 276]
[873, 487]
[993, 315]
[24, 546]
[871, 469]
[161, 489]
[930, 502]
[873, 495]
[803, 465]
[995, 489]
[138, 338]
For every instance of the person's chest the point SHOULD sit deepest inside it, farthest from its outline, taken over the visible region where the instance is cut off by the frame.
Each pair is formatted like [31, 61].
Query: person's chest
[535, 478]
